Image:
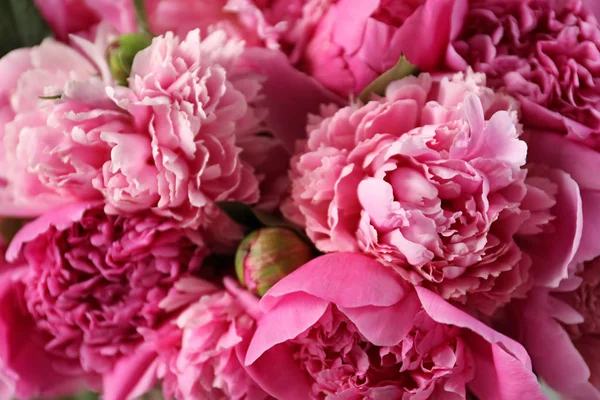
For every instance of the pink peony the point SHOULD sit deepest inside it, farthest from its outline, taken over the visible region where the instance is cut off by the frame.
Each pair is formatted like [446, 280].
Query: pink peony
[27, 370]
[53, 149]
[559, 327]
[93, 280]
[338, 338]
[67, 16]
[274, 24]
[356, 41]
[429, 180]
[544, 53]
[193, 105]
[195, 355]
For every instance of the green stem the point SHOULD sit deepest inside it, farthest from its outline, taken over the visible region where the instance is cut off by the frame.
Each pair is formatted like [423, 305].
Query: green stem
[141, 17]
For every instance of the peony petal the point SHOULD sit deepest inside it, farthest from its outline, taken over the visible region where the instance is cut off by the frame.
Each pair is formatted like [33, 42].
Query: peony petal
[290, 95]
[132, 376]
[339, 278]
[443, 312]
[385, 326]
[267, 372]
[61, 219]
[290, 317]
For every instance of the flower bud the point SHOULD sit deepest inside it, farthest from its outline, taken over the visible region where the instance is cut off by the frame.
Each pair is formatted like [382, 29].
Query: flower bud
[121, 53]
[267, 255]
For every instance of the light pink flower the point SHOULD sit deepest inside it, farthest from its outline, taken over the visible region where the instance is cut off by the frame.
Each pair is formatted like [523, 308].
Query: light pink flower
[429, 180]
[67, 16]
[193, 104]
[336, 336]
[356, 41]
[93, 280]
[195, 355]
[27, 370]
[545, 53]
[37, 135]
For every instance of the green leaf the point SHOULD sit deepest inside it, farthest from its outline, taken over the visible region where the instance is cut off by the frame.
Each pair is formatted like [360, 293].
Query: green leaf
[21, 25]
[10, 226]
[402, 69]
[55, 97]
[140, 16]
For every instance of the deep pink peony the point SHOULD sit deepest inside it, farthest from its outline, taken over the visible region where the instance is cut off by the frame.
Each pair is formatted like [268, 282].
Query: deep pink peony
[429, 180]
[67, 16]
[27, 370]
[543, 52]
[338, 337]
[195, 355]
[356, 41]
[93, 280]
[194, 106]
[559, 326]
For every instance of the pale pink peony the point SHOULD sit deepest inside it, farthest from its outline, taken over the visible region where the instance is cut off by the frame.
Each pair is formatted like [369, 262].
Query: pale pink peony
[67, 16]
[54, 116]
[195, 355]
[356, 41]
[337, 337]
[194, 105]
[543, 52]
[429, 180]
[93, 280]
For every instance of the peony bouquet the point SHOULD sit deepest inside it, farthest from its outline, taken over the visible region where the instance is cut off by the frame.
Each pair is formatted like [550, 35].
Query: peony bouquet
[300, 199]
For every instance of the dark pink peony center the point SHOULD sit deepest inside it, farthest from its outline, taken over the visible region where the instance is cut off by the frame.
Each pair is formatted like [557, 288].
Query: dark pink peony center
[93, 285]
[340, 360]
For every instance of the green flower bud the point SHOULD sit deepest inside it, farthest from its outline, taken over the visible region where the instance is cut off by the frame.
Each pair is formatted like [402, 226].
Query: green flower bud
[121, 52]
[267, 255]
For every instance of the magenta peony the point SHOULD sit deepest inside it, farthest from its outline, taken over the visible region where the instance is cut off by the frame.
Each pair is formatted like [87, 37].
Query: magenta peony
[194, 105]
[337, 337]
[544, 53]
[93, 280]
[195, 356]
[559, 326]
[27, 370]
[429, 180]
[356, 41]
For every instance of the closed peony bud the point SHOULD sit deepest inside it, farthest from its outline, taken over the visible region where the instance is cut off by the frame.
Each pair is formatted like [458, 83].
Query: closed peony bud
[121, 53]
[267, 255]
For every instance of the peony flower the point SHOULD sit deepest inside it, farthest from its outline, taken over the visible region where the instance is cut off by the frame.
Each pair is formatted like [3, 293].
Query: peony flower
[195, 355]
[542, 52]
[54, 116]
[27, 370]
[559, 326]
[67, 16]
[355, 42]
[337, 337]
[94, 280]
[193, 104]
[429, 180]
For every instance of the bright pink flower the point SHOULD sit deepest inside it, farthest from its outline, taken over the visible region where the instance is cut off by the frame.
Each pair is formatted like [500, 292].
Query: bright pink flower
[94, 280]
[67, 16]
[429, 180]
[195, 355]
[559, 327]
[336, 336]
[27, 370]
[193, 105]
[356, 41]
[544, 53]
